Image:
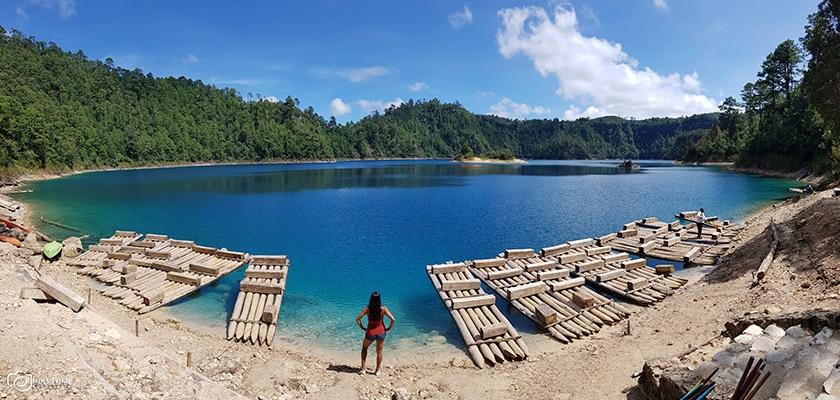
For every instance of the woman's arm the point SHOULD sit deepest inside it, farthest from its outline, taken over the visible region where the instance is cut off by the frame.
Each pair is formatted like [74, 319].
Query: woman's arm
[359, 318]
[388, 313]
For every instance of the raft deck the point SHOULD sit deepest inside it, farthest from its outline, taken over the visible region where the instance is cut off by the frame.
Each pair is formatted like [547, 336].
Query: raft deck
[489, 336]
[254, 317]
[147, 274]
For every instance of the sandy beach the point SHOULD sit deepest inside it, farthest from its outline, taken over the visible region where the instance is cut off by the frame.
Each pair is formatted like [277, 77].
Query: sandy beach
[95, 354]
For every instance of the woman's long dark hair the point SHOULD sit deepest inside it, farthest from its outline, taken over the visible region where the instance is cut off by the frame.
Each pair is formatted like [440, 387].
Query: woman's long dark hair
[375, 307]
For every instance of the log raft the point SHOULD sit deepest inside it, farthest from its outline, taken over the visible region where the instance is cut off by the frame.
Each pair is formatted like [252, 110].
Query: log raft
[254, 316]
[489, 336]
[146, 272]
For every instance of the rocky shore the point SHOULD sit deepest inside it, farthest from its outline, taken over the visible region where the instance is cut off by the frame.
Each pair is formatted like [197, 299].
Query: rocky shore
[97, 353]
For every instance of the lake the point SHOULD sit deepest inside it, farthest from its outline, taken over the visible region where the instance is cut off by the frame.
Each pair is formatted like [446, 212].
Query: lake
[350, 228]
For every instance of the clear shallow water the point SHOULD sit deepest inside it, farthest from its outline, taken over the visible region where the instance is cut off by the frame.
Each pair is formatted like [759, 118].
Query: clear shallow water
[350, 228]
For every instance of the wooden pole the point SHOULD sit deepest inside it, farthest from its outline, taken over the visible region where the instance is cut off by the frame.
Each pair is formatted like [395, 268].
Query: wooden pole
[137, 327]
[189, 359]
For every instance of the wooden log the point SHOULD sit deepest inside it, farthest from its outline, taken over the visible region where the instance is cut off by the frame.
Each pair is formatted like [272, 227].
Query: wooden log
[519, 253]
[583, 299]
[106, 249]
[448, 268]
[261, 287]
[60, 292]
[265, 274]
[630, 265]
[156, 238]
[541, 266]
[568, 284]
[119, 256]
[598, 250]
[636, 283]
[233, 255]
[184, 278]
[269, 260]
[606, 239]
[574, 244]
[34, 294]
[159, 254]
[243, 314]
[143, 244]
[626, 233]
[110, 242]
[691, 254]
[255, 329]
[490, 262]
[527, 289]
[608, 276]
[204, 249]
[505, 273]
[214, 270]
[467, 284]
[128, 278]
[458, 303]
[546, 314]
[572, 257]
[182, 243]
[554, 274]
[589, 265]
[550, 251]
[768, 259]
[665, 269]
[611, 258]
[491, 331]
[166, 267]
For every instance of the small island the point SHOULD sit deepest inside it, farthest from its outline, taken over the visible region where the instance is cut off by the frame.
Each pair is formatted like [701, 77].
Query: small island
[628, 164]
[496, 156]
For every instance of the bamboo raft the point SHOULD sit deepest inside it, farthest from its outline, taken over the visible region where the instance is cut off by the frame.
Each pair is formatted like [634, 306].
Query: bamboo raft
[615, 273]
[147, 274]
[254, 316]
[546, 293]
[489, 336]
[673, 241]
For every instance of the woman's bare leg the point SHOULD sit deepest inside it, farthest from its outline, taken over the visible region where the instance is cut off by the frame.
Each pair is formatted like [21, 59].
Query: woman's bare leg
[365, 344]
[379, 344]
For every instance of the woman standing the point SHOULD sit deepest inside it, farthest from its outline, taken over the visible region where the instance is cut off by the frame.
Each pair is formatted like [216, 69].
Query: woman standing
[375, 330]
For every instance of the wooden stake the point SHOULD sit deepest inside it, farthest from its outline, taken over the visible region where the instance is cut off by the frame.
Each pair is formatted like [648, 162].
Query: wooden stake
[189, 359]
[137, 327]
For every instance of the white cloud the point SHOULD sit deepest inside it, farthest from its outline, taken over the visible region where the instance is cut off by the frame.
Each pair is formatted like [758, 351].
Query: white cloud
[418, 86]
[191, 58]
[574, 113]
[21, 13]
[370, 106]
[66, 8]
[660, 4]
[593, 70]
[270, 99]
[459, 20]
[510, 109]
[354, 75]
[339, 107]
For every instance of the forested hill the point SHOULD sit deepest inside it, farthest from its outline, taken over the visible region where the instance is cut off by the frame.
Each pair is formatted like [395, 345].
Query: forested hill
[60, 110]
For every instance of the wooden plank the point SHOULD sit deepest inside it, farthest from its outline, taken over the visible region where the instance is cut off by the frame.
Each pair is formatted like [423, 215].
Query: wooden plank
[572, 257]
[204, 249]
[268, 260]
[606, 239]
[34, 294]
[568, 284]
[133, 250]
[182, 243]
[675, 225]
[671, 241]
[598, 250]
[156, 238]
[630, 265]
[473, 301]
[550, 251]
[505, 273]
[233, 255]
[128, 278]
[611, 258]
[164, 266]
[646, 239]
[608, 276]
[625, 233]
[554, 274]
[574, 244]
[649, 220]
[519, 253]
[261, 287]
[269, 313]
[119, 256]
[628, 226]
[106, 249]
[461, 284]
[541, 266]
[448, 268]
[144, 244]
[691, 254]
[110, 242]
[152, 296]
[546, 314]
[125, 233]
[589, 265]
[636, 283]
[181, 277]
[60, 293]
[528, 289]
[490, 262]
[583, 299]
[159, 254]
[490, 331]
[647, 247]
[665, 269]
[205, 269]
[265, 274]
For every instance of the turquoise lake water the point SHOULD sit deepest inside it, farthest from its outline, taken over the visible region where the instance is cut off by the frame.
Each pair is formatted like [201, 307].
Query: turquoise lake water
[350, 228]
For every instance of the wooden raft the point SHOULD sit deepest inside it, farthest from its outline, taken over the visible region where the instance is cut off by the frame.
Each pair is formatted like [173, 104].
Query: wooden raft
[673, 241]
[617, 273]
[489, 336]
[548, 294]
[144, 275]
[254, 317]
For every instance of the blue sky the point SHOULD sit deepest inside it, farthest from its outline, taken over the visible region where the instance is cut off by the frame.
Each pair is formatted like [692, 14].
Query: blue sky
[517, 59]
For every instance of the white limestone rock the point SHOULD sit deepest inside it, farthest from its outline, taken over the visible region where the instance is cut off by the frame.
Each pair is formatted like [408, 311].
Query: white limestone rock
[774, 331]
[753, 330]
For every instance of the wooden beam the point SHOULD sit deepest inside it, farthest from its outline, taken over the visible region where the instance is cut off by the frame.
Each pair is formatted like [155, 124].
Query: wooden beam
[630, 265]
[606, 239]
[263, 274]
[583, 299]
[159, 254]
[181, 277]
[649, 220]
[589, 265]
[637, 283]
[546, 314]
[671, 241]
[625, 233]
[490, 262]
[204, 249]
[592, 251]
[572, 257]
[554, 274]
[665, 269]
[448, 268]
[144, 244]
[127, 279]
[110, 242]
[125, 233]
[461, 284]
[611, 258]
[647, 247]
[125, 268]
[34, 294]
[541, 266]
[505, 273]
[528, 289]
[568, 284]
[106, 249]
[490, 331]
[205, 269]
[519, 253]
[166, 267]
[268, 260]
[261, 287]
[550, 251]
[233, 255]
[675, 225]
[574, 244]
[269, 313]
[472, 301]
[119, 256]
[182, 243]
[628, 226]
[152, 297]
[157, 238]
[608, 276]
[691, 254]
[60, 293]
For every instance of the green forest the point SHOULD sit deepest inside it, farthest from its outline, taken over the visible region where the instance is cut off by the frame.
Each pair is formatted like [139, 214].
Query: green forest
[60, 110]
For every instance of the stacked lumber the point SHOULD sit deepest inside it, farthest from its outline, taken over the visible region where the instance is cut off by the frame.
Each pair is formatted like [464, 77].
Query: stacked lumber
[146, 274]
[254, 317]
[489, 336]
